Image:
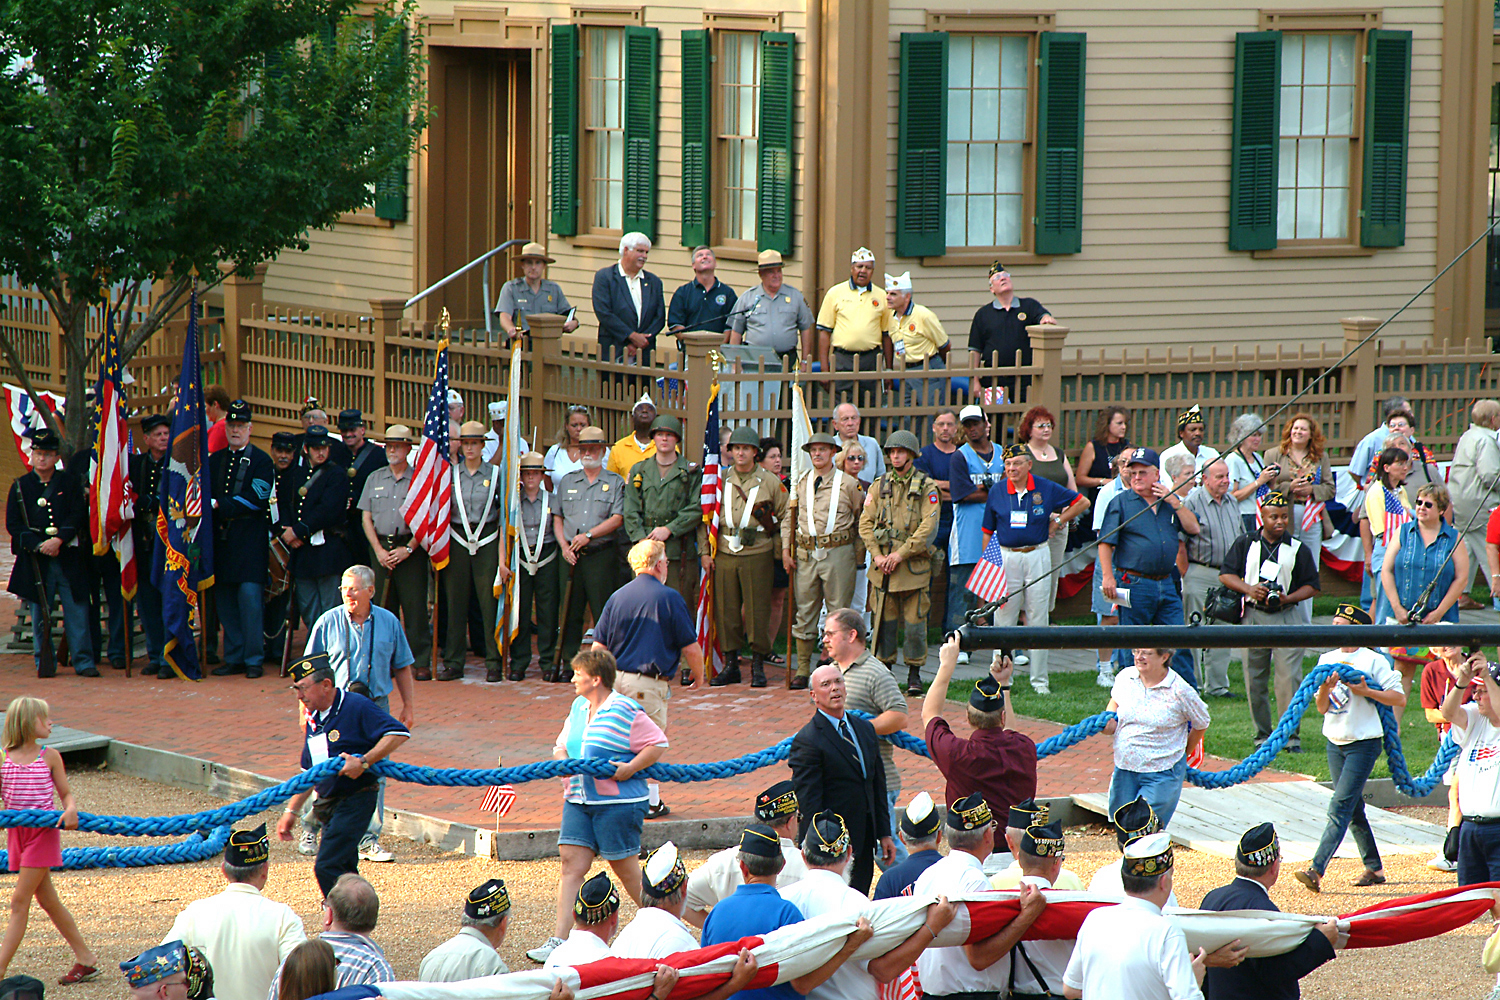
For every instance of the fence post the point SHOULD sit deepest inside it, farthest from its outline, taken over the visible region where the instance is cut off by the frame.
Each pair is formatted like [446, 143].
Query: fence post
[1046, 354]
[243, 297]
[546, 352]
[1359, 385]
[384, 329]
[699, 376]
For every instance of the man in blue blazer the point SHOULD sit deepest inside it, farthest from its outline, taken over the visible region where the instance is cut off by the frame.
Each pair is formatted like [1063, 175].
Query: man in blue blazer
[629, 304]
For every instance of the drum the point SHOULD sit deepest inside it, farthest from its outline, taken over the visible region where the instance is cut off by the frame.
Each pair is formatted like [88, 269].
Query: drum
[280, 573]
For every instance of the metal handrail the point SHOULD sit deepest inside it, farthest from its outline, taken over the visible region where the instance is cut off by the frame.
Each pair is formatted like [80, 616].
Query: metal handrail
[489, 321]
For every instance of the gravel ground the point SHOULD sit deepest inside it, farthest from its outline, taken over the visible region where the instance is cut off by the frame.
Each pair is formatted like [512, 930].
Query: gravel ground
[122, 912]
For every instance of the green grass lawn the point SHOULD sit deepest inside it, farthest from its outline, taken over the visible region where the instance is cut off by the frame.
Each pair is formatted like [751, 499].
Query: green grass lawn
[1075, 697]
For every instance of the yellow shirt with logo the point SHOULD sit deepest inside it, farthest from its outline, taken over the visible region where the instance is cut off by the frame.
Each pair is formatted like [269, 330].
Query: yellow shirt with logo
[921, 331]
[626, 452]
[857, 317]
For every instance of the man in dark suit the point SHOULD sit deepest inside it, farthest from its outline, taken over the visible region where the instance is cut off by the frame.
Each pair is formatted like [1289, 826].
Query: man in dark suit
[312, 504]
[1257, 865]
[835, 763]
[146, 470]
[240, 478]
[629, 304]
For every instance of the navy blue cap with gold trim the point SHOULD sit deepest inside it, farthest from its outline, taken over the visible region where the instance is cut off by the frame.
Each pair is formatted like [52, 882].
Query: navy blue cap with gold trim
[284, 441]
[828, 834]
[1147, 856]
[247, 848]
[1355, 614]
[200, 975]
[970, 813]
[1134, 820]
[1259, 846]
[488, 900]
[1028, 812]
[663, 873]
[1192, 415]
[761, 841]
[1017, 451]
[238, 413]
[987, 696]
[306, 666]
[1045, 841]
[1275, 498]
[776, 802]
[597, 899]
[350, 419]
[155, 964]
[42, 439]
[317, 436]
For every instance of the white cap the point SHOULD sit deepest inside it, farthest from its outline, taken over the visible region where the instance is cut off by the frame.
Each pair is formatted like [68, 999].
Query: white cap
[863, 255]
[919, 808]
[898, 282]
[661, 863]
[645, 400]
[970, 412]
[1149, 846]
[454, 398]
[498, 409]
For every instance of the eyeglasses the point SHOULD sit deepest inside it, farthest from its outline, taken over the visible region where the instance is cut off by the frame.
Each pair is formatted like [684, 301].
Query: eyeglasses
[302, 687]
[1042, 425]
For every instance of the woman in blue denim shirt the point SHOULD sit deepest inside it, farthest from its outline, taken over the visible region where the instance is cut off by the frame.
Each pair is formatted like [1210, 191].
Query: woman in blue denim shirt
[1417, 554]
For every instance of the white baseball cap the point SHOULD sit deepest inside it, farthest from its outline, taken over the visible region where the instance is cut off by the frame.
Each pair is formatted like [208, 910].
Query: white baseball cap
[970, 412]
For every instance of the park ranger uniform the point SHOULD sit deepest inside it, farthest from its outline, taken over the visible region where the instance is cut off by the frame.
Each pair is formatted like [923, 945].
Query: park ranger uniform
[583, 505]
[402, 591]
[667, 498]
[822, 520]
[749, 545]
[536, 577]
[900, 515]
[517, 299]
[473, 559]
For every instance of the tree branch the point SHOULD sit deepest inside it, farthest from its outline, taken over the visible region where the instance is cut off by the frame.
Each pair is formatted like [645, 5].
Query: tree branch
[18, 368]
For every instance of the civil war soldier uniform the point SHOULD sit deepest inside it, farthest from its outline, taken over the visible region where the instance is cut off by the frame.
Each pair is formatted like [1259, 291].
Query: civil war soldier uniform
[46, 516]
[538, 571]
[366, 458]
[240, 478]
[587, 512]
[749, 545]
[312, 503]
[279, 590]
[146, 469]
[402, 589]
[897, 523]
[669, 498]
[474, 556]
[822, 518]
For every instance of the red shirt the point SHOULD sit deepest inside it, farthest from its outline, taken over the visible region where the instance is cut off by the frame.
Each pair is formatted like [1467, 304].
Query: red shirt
[1437, 681]
[218, 439]
[999, 764]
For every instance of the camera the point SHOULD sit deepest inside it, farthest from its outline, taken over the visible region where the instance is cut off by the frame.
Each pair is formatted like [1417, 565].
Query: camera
[1274, 593]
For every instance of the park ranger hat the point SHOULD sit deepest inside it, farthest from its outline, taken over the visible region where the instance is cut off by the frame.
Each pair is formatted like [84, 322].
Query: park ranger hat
[303, 668]
[535, 251]
[667, 423]
[238, 413]
[987, 696]
[1043, 841]
[1259, 846]
[1354, 614]
[921, 821]
[472, 430]
[155, 964]
[768, 260]
[532, 460]
[904, 439]
[488, 900]
[970, 412]
[777, 802]
[760, 840]
[827, 439]
[151, 423]
[593, 435]
[970, 813]
[350, 419]
[663, 873]
[1135, 819]
[597, 900]
[399, 434]
[1028, 812]
[745, 434]
[247, 848]
[827, 833]
[316, 436]
[1148, 856]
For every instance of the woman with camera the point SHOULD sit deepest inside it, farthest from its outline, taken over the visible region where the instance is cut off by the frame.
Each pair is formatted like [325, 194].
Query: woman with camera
[1302, 470]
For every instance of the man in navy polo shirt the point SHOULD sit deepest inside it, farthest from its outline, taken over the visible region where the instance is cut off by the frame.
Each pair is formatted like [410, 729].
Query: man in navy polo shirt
[1023, 513]
[347, 725]
[646, 626]
[1138, 551]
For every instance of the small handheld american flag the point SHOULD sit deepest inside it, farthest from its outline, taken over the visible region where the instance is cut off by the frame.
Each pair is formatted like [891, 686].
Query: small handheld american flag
[987, 581]
[1396, 513]
[498, 799]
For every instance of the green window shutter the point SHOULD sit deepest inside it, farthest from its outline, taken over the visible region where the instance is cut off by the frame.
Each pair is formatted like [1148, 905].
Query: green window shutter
[922, 146]
[773, 195]
[1059, 143]
[565, 129]
[390, 189]
[1257, 139]
[697, 136]
[641, 50]
[1387, 103]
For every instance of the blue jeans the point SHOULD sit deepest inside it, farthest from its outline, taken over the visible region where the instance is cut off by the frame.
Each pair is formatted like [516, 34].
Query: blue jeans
[1160, 788]
[901, 852]
[1478, 853]
[75, 612]
[1349, 765]
[315, 595]
[242, 612]
[960, 599]
[1153, 602]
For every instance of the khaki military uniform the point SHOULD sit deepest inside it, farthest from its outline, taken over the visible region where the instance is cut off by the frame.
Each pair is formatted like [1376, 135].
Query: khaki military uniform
[382, 498]
[583, 506]
[901, 515]
[473, 557]
[827, 557]
[667, 498]
[745, 564]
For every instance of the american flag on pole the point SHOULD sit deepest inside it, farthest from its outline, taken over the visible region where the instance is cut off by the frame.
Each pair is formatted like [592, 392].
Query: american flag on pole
[709, 499]
[111, 499]
[429, 502]
[498, 799]
[987, 582]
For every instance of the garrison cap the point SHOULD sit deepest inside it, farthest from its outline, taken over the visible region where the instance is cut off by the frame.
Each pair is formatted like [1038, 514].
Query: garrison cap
[1044, 841]
[1275, 498]
[306, 666]
[1018, 451]
[1135, 819]
[663, 873]
[760, 840]
[776, 802]
[987, 696]
[827, 834]
[597, 899]
[200, 984]
[1027, 813]
[155, 964]
[488, 900]
[970, 813]
[1191, 415]
[247, 848]
[921, 820]
[1149, 855]
[1259, 846]
[1356, 614]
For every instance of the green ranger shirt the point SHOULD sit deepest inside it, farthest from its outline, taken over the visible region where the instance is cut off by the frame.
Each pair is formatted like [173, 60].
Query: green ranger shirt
[663, 498]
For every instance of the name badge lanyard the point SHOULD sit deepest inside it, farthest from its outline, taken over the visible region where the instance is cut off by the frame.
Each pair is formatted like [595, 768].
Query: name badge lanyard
[1018, 516]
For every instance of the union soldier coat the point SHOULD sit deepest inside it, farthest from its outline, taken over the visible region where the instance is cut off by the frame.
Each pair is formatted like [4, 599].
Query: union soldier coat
[310, 502]
[35, 513]
[240, 482]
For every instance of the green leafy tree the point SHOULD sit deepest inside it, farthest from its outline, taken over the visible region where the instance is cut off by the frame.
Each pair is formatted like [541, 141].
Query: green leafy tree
[149, 140]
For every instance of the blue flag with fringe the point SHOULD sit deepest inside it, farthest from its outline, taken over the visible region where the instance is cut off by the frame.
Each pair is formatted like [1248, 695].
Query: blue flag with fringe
[184, 520]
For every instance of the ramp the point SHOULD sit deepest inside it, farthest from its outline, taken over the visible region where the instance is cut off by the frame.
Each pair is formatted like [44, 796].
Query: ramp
[1212, 820]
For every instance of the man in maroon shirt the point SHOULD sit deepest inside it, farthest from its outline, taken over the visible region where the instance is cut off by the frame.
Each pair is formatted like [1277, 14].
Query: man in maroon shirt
[998, 763]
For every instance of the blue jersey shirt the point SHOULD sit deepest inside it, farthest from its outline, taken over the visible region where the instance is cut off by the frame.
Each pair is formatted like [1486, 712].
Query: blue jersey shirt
[646, 624]
[898, 879]
[353, 724]
[1147, 544]
[754, 909]
[970, 471]
[1022, 518]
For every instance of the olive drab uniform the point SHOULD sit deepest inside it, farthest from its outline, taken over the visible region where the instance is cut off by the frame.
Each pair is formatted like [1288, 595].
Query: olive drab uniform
[750, 538]
[900, 516]
[667, 498]
[820, 530]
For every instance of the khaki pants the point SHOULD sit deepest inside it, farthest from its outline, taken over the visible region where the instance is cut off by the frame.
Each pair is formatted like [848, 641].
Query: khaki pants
[820, 581]
[742, 600]
[1258, 674]
[1479, 562]
[470, 574]
[651, 693]
[1213, 664]
[1022, 568]
[909, 607]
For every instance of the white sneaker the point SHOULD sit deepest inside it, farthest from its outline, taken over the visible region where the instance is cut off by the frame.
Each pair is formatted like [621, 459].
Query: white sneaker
[1442, 864]
[540, 955]
[1020, 658]
[1041, 686]
[370, 850]
[1106, 677]
[963, 659]
[308, 842]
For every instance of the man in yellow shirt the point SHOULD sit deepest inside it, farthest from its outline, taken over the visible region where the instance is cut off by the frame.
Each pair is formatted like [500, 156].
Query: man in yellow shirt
[854, 327]
[919, 337]
[638, 445]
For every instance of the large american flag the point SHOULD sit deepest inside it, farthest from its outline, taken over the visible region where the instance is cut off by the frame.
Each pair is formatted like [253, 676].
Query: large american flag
[111, 499]
[987, 581]
[429, 502]
[709, 498]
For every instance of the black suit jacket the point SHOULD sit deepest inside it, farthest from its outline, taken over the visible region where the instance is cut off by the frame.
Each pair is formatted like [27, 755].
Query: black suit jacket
[321, 509]
[242, 513]
[67, 511]
[1272, 978]
[615, 311]
[827, 775]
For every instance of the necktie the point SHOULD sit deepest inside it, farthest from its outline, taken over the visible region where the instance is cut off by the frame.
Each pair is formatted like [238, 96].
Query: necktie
[849, 738]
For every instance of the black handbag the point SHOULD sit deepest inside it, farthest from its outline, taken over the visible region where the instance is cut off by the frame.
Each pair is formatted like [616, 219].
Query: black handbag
[1223, 604]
